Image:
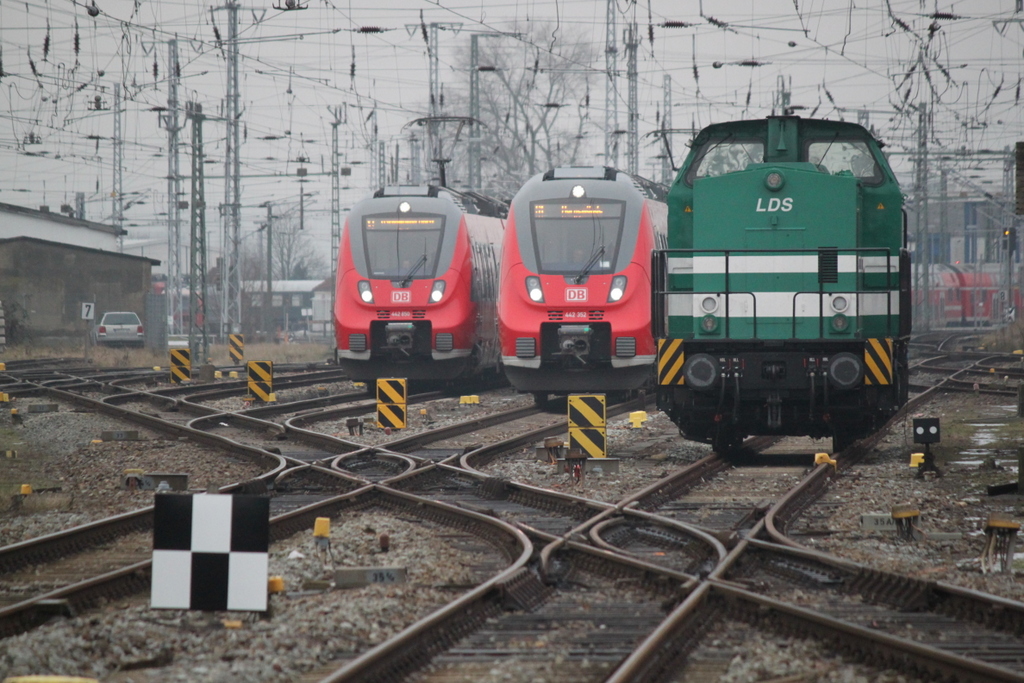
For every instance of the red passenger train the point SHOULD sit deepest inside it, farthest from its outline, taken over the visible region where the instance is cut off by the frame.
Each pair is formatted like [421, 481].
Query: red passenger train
[574, 310]
[417, 282]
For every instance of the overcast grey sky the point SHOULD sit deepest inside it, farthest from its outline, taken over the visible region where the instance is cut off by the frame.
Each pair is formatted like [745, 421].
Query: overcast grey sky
[725, 63]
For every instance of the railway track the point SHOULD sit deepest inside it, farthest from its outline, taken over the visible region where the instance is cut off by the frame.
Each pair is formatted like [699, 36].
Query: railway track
[614, 591]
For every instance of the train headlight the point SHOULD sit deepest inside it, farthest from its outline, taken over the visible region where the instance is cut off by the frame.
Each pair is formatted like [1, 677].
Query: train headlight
[578, 191]
[709, 323]
[840, 304]
[618, 288]
[709, 304]
[534, 290]
[437, 291]
[405, 207]
[365, 291]
[845, 371]
[840, 323]
[774, 181]
[701, 371]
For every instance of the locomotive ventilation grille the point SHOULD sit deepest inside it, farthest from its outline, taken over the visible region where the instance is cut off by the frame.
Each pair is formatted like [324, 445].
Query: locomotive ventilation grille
[625, 347]
[357, 342]
[526, 347]
[419, 315]
[445, 341]
[383, 315]
[596, 315]
[555, 315]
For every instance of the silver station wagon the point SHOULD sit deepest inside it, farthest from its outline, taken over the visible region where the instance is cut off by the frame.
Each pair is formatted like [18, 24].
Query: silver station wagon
[120, 328]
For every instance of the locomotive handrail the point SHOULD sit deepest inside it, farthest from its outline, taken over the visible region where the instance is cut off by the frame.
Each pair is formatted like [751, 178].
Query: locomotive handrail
[660, 291]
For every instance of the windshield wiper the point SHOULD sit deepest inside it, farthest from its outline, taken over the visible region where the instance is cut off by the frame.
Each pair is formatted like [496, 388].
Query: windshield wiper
[590, 264]
[407, 280]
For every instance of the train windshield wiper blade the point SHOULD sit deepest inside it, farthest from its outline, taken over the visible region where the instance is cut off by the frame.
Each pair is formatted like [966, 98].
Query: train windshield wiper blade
[590, 264]
[407, 280]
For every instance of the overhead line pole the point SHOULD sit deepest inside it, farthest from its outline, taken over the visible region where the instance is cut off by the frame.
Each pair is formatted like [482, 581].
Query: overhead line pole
[611, 93]
[173, 125]
[118, 192]
[631, 41]
[231, 274]
[339, 117]
[199, 344]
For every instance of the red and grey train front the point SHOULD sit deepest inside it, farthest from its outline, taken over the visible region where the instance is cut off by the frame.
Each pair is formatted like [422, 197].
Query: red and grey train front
[407, 301]
[574, 311]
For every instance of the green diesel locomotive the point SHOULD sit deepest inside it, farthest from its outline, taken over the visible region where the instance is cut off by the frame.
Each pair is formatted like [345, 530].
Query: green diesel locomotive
[782, 303]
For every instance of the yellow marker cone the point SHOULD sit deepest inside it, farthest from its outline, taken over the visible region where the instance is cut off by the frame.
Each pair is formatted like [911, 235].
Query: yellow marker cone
[275, 584]
[26, 489]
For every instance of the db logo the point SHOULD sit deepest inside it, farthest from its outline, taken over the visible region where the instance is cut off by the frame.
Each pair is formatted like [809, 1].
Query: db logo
[401, 297]
[576, 294]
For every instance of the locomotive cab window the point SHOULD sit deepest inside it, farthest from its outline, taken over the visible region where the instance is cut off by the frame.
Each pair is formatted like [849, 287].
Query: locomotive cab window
[718, 157]
[402, 246]
[845, 156]
[573, 238]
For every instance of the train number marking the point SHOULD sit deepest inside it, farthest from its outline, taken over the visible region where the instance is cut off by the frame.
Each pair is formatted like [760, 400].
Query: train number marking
[401, 297]
[575, 314]
[775, 204]
[575, 293]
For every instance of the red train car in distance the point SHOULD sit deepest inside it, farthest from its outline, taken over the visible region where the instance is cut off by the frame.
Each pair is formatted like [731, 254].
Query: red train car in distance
[417, 282]
[574, 310]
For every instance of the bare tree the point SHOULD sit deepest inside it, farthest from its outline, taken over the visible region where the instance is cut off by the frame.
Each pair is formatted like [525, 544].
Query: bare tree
[534, 103]
[295, 255]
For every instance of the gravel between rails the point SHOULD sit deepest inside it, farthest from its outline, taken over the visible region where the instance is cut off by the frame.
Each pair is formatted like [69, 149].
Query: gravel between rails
[127, 642]
[58, 452]
[644, 456]
[736, 652]
[956, 502]
[442, 412]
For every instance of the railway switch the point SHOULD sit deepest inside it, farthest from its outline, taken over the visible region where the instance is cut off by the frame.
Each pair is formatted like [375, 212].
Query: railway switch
[1000, 542]
[905, 517]
[322, 538]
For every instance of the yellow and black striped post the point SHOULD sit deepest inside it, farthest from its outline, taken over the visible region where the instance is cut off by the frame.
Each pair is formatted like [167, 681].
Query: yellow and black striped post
[392, 398]
[181, 366]
[670, 361]
[261, 380]
[236, 347]
[587, 430]
[878, 361]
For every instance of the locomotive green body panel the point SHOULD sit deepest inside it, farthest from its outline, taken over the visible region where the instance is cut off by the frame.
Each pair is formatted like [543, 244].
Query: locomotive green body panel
[781, 304]
[822, 216]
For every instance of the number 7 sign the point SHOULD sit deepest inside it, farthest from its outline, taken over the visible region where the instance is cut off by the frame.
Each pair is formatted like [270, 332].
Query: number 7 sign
[88, 311]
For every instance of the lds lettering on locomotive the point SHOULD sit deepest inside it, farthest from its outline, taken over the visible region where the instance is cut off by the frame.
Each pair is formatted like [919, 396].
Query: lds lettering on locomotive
[775, 204]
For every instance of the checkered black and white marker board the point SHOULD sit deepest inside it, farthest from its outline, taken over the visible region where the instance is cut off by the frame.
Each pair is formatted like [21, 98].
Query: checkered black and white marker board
[210, 552]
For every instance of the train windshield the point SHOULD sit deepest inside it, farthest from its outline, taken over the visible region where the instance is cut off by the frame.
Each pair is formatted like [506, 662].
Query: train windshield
[402, 246]
[727, 155]
[845, 156]
[571, 237]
